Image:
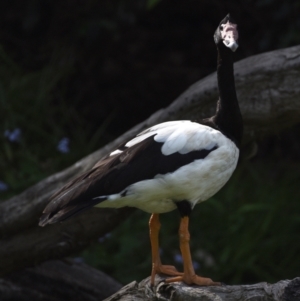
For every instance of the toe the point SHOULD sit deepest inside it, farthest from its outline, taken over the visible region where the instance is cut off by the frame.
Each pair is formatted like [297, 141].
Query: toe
[168, 270]
[202, 281]
[193, 279]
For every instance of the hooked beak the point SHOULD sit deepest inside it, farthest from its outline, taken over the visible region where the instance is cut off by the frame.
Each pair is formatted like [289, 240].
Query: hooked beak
[231, 44]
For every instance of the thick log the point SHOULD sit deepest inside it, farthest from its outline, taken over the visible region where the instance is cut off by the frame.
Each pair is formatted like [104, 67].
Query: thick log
[58, 280]
[69, 280]
[268, 88]
[35, 245]
[285, 290]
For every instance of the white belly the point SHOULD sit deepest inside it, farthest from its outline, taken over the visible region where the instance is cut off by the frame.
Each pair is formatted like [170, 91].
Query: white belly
[195, 182]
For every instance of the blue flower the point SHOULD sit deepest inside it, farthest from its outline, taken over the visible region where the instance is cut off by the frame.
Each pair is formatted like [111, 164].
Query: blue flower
[63, 145]
[78, 260]
[196, 265]
[103, 238]
[3, 186]
[14, 135]
[178, 258]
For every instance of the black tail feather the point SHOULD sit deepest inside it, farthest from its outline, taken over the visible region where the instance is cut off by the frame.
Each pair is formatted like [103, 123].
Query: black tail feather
[67, 212]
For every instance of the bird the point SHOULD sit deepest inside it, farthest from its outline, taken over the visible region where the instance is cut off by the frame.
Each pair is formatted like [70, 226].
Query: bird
[173, 165]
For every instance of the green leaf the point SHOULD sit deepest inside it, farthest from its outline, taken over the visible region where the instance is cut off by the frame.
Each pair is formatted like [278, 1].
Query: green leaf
[152, 3]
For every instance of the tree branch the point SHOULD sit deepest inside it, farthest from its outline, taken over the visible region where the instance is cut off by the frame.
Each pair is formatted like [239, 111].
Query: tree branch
[268, 88]
[35, 245]
[58, 280]
[288, 290]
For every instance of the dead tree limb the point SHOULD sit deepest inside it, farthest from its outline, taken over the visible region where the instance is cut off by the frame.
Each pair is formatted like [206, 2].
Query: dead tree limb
[285, 290]
[35, 245]
[57, 280]
[268, 88]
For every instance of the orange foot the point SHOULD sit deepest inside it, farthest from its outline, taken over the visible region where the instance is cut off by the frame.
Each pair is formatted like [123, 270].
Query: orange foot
[164, 269]
[193, 279]
[167, 270]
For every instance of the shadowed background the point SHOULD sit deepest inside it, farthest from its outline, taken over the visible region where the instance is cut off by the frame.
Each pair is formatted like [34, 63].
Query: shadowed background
[76, 74]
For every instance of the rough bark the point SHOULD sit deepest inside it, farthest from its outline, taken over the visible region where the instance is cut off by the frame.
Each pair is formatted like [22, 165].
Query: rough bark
[268, 88]
[35, 245]
[58, 280]
[285, 290]
[69, 280]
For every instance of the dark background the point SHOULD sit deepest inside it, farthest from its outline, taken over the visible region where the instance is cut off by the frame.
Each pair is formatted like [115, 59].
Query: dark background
[131, 58]
[90, 70]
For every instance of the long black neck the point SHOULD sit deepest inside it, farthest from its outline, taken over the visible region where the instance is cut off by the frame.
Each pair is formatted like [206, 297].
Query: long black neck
[228, 117]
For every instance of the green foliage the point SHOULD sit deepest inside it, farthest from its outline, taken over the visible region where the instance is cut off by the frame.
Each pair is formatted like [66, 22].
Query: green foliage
[152, 3]
[248, 232]
[34, 103]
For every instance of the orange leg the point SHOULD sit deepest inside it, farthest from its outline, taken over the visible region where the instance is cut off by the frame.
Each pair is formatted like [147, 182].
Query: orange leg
[157, 267]
[189, 276]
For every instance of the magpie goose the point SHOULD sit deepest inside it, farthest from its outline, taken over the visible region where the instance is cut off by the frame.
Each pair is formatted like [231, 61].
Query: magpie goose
[172, 165]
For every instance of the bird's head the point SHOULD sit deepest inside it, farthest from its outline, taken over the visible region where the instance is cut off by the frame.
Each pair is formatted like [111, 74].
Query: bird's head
[227, 33]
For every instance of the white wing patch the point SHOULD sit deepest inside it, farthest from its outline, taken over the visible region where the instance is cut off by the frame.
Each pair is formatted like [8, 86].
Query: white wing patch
[186, 137]
[172, 143]
[165, 127]
[179, 136]
[117, 151]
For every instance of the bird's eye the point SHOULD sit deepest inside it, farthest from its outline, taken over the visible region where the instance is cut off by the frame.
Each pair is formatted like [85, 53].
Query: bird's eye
[221, 27]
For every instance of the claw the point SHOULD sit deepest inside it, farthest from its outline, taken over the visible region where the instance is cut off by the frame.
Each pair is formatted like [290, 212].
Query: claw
[164, 269]
[168, 270]
[193, 279]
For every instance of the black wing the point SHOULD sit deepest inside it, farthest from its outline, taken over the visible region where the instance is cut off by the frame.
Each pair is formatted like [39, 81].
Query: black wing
[112, 175]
